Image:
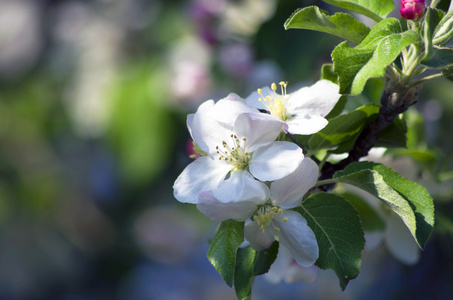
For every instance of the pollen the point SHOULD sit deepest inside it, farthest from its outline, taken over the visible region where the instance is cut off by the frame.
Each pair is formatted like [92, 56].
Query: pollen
[275, 103]
[233, 152]
[265, 214]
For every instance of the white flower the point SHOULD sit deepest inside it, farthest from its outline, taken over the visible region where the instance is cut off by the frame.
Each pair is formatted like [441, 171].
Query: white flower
[270, 218]
[240, 146]
[286, 268]
[304, 110]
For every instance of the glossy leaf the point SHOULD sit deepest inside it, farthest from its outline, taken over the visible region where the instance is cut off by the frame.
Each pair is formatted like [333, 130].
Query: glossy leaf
[370, 58]
[222, 252]
[375, 10]
[343, 130]
[339, 24]
[371, 221]
[407, 199]
[443, 32]
[339, 234]
[249, 264]
[432, 19]
[440, 59]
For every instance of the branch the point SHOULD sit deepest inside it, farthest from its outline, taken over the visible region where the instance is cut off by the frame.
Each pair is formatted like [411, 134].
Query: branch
[394, 101]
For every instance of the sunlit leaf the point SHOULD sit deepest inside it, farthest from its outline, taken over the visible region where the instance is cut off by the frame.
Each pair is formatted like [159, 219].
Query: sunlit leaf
[222, 252]
[339, 24]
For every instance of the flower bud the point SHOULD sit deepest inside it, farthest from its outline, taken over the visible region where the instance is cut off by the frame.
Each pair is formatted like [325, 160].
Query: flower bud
[412, 9]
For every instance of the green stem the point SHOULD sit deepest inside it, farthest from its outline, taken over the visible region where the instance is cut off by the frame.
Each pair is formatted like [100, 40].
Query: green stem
[325, 182]
[430, 77]
[323, 161]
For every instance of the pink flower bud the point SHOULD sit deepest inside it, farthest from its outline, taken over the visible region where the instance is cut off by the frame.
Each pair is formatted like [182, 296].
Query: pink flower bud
[412, 9]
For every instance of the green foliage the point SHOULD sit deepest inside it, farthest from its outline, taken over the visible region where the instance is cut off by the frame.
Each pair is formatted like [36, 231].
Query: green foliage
[440, 59]
[327, 73]
[407, 199]
[443, 32]
[375, 10]
[339, 24]
[339, 234]
[343, 130]
[371, 221]
[432, 19]
[370, 58]
[222, 252]
[244, 272]
[141, 128]
[249, 264]
[448, 73]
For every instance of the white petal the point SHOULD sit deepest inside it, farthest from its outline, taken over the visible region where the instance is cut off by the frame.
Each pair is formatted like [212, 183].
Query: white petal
[400, 242]
[241, 186]
[219, 211]
[258, 239]
[319, 99]
[259, 129]
[275, 161]
[206, 131]
[228, 109]
[203, 174]
[297, 237]
[288, 191]
[278, 269]
[189, 122]
[296, 273]
[305, 124]
[253, 99]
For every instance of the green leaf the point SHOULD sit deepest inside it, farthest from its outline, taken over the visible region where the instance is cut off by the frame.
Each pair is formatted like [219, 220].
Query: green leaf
[432, 19]
[340, 24]
[407, 199]
[443, 32]
[339, 130]
[343, 130]
[441, 58]
[371, 221]
[339, 234]
[395, 135]
[370, 58]
[222, 252]
[244, 274]
[251, 263]
[448, 73]
[375, 10]
[328, 73]
[264, 259]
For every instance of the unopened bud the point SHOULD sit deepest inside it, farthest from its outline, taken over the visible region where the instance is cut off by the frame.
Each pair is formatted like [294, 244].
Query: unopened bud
[412, 9]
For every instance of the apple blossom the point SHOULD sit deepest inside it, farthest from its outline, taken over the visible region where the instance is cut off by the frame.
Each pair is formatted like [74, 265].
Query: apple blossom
[268, 216]
[303, 111]
[239, 145]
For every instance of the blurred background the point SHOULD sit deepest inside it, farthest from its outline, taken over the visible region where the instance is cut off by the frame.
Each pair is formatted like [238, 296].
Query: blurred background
[93, 102]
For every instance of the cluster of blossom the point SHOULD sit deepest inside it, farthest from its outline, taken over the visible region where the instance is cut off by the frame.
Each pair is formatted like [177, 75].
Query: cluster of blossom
[245, 170]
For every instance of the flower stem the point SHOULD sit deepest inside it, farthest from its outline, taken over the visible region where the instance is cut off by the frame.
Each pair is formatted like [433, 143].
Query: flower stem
[325, 182]
[430, 77]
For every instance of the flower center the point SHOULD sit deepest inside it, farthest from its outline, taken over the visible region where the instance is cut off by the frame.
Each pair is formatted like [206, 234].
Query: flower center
[235, 155]
[264, 215]
[276, 105]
